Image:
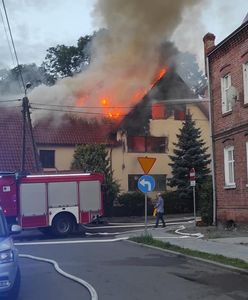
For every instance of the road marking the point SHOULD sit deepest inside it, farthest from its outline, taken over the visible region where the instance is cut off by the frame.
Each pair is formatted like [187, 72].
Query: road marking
[91, 241]
[84, 283]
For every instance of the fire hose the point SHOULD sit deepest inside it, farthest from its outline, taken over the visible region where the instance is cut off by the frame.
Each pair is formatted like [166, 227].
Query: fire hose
[89, 287]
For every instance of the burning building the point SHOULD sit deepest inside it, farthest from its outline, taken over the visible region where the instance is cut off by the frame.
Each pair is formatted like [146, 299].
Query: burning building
[150, 128]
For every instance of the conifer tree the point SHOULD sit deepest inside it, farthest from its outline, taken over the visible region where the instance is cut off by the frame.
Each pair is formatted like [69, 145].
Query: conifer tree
[189, 152]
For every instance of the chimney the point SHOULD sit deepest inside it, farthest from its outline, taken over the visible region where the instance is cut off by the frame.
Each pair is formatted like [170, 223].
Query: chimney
[209, 44]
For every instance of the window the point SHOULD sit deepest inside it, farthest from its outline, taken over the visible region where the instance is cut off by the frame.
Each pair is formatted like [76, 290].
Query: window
[47, 158]
[229, 166]
[151, 144]
[245, 78]
[160, 182]
[225, 97]
[180, 112]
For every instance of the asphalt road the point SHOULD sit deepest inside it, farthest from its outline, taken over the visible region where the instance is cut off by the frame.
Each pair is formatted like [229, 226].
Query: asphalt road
[123, 270]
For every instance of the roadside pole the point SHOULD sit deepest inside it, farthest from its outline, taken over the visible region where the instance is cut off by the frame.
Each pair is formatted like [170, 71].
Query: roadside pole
[146, 183]
[194, 204]
[145, 213]
[192, 183]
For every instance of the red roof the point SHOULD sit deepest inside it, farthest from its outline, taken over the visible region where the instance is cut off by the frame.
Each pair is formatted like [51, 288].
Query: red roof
[11, 141]
[72, 131]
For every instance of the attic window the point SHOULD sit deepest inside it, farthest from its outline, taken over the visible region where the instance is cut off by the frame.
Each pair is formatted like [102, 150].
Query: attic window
[158, 111]
[180, 112]
[47, 158]
[150, 144]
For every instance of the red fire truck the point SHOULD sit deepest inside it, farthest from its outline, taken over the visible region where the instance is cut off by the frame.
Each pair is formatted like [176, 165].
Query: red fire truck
[57, 201]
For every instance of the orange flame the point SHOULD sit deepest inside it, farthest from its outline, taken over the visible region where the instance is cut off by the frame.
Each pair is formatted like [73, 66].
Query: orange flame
[105, 102]
[115, 113]
[158, 76]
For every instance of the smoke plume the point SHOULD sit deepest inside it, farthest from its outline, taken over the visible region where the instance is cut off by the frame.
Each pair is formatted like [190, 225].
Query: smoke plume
[126, 57]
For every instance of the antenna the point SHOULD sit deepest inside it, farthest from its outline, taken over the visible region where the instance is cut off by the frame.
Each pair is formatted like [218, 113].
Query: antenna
[232, 95]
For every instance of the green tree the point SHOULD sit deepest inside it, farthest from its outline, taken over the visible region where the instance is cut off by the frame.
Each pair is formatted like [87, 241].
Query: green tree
[64, 61]
[95, 158]
[189, 152]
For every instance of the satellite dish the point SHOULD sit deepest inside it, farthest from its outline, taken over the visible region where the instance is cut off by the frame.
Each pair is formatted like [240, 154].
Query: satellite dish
[232, 95]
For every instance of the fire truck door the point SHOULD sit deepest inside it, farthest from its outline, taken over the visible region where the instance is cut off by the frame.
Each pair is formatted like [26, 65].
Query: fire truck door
[33, 207]
[62, 197]
[90, 200]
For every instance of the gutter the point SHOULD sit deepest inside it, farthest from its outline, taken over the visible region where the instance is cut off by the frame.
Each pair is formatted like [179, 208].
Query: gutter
[212, 141]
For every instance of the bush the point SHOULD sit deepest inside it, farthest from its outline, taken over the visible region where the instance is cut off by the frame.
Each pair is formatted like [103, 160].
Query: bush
[132, 204]
[174, 204]
[205, 196]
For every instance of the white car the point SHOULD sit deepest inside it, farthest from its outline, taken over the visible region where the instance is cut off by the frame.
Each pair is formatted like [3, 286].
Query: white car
[9, 269]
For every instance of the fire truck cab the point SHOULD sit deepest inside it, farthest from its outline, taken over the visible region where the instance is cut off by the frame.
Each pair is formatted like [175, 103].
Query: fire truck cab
[57, 201]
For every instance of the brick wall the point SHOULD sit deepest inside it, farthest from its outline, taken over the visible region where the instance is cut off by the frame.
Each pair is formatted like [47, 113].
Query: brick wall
[229, 58]
[230, 128]
[232, 203]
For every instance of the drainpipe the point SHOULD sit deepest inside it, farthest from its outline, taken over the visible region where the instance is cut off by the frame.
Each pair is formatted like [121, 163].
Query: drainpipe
[212, 141]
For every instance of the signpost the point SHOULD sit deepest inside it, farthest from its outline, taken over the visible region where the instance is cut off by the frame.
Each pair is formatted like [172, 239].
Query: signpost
[146, 183]
[193, 183]
[146, 163]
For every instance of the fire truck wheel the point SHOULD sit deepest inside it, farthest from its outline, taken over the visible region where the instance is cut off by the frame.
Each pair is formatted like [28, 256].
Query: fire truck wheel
[62, 225]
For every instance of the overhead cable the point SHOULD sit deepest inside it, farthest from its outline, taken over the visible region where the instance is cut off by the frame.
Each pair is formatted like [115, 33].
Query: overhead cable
[13, 45]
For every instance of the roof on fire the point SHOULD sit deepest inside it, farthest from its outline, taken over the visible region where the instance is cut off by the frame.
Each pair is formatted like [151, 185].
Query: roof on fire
[72, 131]
[170, 86]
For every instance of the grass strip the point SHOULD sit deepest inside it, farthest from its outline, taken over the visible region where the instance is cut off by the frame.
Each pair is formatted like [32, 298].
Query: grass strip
[149, 240]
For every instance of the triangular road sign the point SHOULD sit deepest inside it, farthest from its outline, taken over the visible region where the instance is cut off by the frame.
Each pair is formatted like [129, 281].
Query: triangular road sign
[146, 163]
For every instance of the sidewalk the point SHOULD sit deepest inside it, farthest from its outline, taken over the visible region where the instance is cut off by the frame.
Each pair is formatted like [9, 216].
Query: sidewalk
[229, 247]
[233, 247]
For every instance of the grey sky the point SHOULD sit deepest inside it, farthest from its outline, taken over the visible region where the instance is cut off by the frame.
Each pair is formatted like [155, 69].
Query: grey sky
[38, 25]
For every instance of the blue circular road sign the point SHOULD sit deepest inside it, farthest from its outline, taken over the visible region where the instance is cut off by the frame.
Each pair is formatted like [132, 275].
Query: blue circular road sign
[146, 184]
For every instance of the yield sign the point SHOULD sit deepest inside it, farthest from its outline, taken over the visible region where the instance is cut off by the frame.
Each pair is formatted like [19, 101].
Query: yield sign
[146, 163]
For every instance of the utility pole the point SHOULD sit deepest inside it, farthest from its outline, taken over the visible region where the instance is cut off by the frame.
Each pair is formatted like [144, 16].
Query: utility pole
[24, 122]
[27, 122]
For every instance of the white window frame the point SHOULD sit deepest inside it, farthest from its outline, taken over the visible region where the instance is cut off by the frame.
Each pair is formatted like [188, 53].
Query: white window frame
[229, 170]
[245, 80]
[225, 100]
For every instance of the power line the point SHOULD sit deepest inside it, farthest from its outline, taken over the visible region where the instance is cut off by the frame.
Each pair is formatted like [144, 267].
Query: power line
[75, 111]
[13, 45]
[7, 37]
[9, 100]
[94, 113]
[170, 102]
[81, 107]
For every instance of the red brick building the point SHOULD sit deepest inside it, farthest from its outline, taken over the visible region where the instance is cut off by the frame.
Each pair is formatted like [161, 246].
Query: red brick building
[227, 69]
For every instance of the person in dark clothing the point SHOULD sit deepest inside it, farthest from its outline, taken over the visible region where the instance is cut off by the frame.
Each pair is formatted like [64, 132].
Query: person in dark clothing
[160, 210]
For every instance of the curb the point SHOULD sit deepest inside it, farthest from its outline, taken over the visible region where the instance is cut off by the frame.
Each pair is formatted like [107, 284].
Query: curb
[236, 269]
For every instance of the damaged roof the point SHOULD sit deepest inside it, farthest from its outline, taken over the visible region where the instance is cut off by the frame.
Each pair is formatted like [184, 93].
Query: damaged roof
[72, 131]
[170, 86]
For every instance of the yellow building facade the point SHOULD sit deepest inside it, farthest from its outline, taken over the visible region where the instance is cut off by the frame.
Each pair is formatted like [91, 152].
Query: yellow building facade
[125, 163]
